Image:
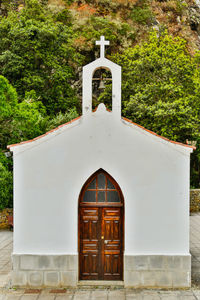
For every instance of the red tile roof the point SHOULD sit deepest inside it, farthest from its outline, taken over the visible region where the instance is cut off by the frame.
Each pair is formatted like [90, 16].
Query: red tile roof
[127, 120]
[162, 137]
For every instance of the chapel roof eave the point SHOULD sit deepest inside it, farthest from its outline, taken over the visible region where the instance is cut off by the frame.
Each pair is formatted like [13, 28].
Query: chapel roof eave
[187, 147]
[12, 146]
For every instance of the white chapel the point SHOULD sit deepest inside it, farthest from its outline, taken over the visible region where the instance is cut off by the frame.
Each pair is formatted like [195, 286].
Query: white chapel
[101, 199]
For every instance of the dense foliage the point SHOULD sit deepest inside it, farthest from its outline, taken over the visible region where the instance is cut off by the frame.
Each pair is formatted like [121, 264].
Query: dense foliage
[6, 182]
[160, 90]
[36, 54]
[20, 121]
[41, 53]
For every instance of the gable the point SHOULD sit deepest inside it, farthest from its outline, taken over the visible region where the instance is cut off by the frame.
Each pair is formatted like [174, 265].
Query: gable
[95, 124]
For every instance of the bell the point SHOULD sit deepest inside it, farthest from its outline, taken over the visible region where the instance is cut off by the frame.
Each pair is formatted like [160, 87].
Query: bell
[101, 85]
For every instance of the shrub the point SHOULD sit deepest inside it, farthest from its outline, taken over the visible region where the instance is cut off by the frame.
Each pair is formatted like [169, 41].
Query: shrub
[6, 183]
[142, 14]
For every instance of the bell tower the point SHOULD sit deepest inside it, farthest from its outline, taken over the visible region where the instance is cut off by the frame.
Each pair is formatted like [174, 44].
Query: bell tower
[88, 72]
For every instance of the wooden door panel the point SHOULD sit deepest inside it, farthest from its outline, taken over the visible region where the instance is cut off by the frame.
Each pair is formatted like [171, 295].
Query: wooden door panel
[90, 246]
[94, 229]
[90, 229]
[90, 226]
[86, 232]
[112, 229]
[111, 246]
[89, 266]
[107, 230]
[112, 267]
[107, 264]
[85, 264]
[112, 256]
[111, 212]
[116, 263]
[116, 230]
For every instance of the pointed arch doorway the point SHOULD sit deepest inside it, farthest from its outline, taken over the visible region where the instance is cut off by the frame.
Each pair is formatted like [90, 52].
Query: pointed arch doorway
[101, 229]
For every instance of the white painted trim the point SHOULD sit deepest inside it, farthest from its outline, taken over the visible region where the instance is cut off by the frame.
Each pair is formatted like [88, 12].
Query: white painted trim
[88, 72]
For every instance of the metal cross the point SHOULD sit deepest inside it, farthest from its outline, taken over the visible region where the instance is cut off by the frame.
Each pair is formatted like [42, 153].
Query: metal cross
[102, 44]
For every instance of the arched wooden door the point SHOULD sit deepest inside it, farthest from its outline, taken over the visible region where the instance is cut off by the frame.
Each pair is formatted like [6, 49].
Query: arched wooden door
[101, 229]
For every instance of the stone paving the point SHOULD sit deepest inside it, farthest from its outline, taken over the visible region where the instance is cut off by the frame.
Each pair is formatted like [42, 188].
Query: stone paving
[7, 293]
[104, 295]
[195, 247]
[5, 256]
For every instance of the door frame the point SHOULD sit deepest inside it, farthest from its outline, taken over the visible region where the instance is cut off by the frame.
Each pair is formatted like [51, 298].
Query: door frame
[103, 204]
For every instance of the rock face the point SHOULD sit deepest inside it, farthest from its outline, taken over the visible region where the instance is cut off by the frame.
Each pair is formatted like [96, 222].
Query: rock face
[194, 18]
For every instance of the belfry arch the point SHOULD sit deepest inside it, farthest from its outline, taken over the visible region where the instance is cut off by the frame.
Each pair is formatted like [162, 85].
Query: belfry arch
[101, 78]
[88, 72]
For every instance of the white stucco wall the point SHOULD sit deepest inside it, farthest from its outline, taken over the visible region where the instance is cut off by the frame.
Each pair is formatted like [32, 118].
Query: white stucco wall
[153, 175]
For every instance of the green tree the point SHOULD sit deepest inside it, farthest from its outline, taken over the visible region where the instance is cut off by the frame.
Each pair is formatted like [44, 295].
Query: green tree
[161, 89]
[19, 121]
[61, 118]
[36, 54]
[6, 182]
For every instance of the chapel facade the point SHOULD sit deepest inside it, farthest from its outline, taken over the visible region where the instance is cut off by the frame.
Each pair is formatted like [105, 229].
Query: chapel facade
[101, 199]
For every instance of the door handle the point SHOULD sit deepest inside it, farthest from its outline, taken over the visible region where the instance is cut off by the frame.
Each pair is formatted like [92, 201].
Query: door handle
[106, 242]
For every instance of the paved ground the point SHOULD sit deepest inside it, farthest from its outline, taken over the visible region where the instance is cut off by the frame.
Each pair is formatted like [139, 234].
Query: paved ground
[105, 295]
[195, 247]
[5, 256]
[7, 293]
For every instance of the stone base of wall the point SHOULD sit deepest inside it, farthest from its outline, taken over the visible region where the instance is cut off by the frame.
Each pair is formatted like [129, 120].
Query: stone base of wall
[44, 270]
[163, 271]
